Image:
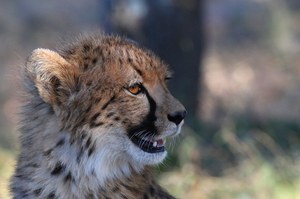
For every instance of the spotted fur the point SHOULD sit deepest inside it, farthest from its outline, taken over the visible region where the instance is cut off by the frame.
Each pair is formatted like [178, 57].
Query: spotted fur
[79, 120]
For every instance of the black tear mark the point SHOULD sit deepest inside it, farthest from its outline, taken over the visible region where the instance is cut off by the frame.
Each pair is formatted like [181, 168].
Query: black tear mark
[59, 168]
[147, 125]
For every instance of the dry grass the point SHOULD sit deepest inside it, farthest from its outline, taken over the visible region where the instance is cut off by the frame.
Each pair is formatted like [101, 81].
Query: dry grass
[6, 169]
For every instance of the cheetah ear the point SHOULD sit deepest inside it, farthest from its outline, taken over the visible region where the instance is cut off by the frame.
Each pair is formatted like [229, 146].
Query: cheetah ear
[52, 74]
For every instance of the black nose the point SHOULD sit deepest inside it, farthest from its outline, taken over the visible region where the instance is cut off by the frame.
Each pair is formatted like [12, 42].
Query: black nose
[177, 116]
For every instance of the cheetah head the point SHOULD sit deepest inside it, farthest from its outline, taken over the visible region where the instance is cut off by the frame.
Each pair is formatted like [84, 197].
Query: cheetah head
[112, 91]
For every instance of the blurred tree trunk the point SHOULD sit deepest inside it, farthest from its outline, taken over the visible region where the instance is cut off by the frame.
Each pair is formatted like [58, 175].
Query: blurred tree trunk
[176, 35]
[174, 31]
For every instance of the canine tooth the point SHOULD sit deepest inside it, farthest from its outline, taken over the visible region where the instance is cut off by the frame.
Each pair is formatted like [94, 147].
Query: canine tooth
[155, 143]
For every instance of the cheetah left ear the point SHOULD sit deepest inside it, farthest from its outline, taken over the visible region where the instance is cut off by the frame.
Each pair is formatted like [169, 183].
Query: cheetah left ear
[53, 76]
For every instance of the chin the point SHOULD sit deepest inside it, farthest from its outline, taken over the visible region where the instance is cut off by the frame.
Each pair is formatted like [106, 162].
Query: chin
[146, 158]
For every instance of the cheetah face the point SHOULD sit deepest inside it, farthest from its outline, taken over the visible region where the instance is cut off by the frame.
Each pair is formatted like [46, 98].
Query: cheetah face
[161, 116]
[115, 91]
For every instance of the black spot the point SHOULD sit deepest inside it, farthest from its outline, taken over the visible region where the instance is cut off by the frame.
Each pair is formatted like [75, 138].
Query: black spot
[146, 196]
[68, 177]
[95, 117]
[85, 66]
[37, 192]
[89, 108]
[129, 60]
[24, 193]
[77, 84]
[130, 188]
[86, 48]
[108, 102]
[86, 59]
[120, 61]
[19, 176]
[115, 189]
[90, 196]
[123, 196]
[139, 72]
[152, 191]
[92, 149]
[59, 167]
[97, 49]
[83, 135]
[51, 195]
[117, 119]
[70, 51]
[97, 100]
[48, 152]
[88, 143]
[72, 140]
[89, 83]
[110, 114]
[94, 61]
[34, 165]
[79, 155]
[60, 142]
[93, 125]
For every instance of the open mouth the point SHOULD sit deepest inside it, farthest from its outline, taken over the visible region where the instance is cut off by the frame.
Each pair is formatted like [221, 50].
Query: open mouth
[149, 145]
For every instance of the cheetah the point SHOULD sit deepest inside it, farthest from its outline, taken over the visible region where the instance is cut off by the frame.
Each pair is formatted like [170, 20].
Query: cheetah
[94, 121]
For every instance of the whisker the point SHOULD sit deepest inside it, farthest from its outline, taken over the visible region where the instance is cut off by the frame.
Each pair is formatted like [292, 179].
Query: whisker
[143, 139]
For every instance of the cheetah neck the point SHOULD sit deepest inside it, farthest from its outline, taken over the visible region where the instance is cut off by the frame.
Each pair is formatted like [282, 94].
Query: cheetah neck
[83, 168]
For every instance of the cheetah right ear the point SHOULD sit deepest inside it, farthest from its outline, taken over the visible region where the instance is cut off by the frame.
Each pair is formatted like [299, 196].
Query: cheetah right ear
[52, 74]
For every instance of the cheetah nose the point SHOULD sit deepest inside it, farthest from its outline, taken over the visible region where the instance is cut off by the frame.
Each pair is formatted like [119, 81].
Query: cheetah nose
[177, 116]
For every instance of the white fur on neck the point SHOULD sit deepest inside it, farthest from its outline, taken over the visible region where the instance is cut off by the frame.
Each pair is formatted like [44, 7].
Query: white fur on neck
[115, 157]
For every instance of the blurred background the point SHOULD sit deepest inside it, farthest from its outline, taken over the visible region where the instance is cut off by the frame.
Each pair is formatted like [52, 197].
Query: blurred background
[237, 71]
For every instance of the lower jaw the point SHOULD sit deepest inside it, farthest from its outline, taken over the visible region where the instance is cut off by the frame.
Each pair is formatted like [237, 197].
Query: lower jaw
[147, 146]
[160, 150]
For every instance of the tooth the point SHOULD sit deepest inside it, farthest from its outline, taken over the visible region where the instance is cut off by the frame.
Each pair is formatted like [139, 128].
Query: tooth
[155, 143]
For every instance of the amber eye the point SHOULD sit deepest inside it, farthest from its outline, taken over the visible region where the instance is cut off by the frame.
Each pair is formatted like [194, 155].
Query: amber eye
[135, 89]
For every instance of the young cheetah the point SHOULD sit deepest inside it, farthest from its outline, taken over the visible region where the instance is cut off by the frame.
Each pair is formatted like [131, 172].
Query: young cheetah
[95, 119]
